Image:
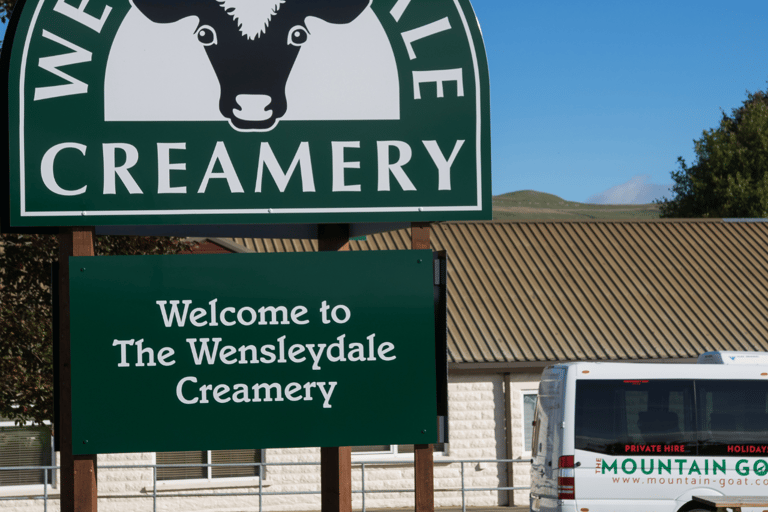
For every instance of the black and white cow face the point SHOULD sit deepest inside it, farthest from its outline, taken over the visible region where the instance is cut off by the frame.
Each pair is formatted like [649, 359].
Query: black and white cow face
[252, 46]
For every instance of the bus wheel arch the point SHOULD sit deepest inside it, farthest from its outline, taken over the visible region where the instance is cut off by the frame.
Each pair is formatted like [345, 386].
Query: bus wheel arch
[689, 505]
[694, 506]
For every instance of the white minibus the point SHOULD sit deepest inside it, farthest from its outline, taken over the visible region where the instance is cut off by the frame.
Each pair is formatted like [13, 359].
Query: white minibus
[646, 437]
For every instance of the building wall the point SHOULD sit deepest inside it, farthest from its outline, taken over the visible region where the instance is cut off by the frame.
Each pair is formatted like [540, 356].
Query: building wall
[517, 385]
[477, 430]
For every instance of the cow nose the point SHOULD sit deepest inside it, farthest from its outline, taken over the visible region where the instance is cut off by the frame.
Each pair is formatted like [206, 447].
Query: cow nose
[253, 107]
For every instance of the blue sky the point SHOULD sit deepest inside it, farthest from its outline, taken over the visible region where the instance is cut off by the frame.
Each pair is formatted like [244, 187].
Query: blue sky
[598, 98]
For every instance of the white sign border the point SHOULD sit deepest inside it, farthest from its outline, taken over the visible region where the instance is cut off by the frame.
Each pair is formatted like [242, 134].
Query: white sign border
[194, 212]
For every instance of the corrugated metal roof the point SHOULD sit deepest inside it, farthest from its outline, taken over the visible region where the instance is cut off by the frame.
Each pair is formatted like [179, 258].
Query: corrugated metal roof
[560, 291]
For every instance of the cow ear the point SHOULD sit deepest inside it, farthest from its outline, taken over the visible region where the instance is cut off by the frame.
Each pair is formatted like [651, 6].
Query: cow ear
[166, 11]
[337, 11]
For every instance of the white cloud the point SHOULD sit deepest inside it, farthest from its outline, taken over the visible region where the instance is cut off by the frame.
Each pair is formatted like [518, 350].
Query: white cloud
[636, 191]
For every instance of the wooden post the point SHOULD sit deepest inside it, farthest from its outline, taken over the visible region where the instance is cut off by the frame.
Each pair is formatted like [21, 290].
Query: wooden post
[424, 481]
[78, 472]
[333, 237]
[420, 232]
[336, 479]
[335, 462]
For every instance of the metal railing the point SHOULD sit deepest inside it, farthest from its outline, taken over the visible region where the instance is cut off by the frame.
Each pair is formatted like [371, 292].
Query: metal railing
[261, 493]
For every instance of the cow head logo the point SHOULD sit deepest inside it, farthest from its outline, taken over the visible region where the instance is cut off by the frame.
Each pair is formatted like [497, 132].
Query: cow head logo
[252, 46]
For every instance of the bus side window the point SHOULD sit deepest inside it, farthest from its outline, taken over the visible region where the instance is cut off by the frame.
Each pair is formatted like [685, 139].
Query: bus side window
[657, 422]
[617, 416]
[731, 412]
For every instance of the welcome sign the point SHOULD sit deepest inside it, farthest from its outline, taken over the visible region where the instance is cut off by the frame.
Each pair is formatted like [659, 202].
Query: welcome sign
[258, 351]
[246, 111]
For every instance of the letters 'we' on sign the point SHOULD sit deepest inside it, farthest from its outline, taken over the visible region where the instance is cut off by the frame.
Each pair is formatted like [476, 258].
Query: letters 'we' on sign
[243, 111]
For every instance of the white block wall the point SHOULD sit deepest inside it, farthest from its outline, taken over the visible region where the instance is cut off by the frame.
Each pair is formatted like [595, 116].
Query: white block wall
[477, 431]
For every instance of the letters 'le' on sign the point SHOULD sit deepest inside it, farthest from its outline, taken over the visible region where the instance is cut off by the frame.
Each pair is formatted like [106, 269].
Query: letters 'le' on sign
[246, 111]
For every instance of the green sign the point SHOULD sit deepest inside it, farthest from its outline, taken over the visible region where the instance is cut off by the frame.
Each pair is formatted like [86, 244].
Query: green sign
[238, 112]
[214, 352]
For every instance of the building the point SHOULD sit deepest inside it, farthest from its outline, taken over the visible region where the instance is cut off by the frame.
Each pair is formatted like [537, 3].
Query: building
[521, 296]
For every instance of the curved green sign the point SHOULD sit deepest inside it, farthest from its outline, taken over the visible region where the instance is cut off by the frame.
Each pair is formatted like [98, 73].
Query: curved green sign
[156, 112]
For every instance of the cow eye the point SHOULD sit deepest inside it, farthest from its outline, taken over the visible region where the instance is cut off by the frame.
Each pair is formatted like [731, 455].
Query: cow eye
[298, 35]
[206, 35]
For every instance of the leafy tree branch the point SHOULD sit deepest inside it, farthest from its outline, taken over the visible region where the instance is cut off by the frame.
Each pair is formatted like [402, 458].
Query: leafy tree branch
[729, 177]
[26, 331]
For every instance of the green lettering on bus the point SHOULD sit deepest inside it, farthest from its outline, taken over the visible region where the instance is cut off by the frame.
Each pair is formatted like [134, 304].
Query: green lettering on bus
[608, 466]
[642, 466]
[624, 466]
[694, 468]
[716, 466]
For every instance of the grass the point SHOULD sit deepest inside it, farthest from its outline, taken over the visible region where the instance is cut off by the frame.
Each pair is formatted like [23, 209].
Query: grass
[532, 205]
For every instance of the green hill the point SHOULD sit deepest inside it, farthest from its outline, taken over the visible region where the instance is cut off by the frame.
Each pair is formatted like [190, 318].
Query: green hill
[532, 205]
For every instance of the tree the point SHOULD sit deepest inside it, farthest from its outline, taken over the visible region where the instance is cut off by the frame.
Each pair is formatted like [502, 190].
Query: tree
[6, 6]
[729, 177]
[26, 331]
